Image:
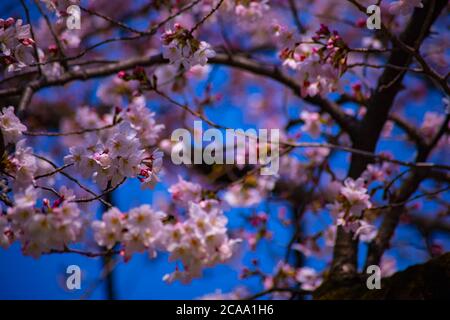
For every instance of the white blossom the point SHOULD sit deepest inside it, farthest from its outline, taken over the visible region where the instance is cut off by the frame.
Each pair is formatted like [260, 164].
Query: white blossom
[11, 126]
[308, 278]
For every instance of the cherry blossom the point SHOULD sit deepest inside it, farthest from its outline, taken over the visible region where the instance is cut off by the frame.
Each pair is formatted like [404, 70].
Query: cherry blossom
[350, 205]
[112, 92]
[356, 195]
[22, 166]
[312, 123]
[404, 7]
[431, 123]
[283, 276]
[122, 151]
[6, 235]
[309, 278]
[291, 169]
[388, 266]
[253, 10]
[285, 36]
[11, 126]
[182, 49]
[184, 192]
[250, 193]
[365, 231]
[109, 230]
[51, 227]
[150, 170]
[144, 231]
[319, 65]
[199, 241]
[330, 236]
[376, 172]
[16, 44]
[317, 155]
[143, 121]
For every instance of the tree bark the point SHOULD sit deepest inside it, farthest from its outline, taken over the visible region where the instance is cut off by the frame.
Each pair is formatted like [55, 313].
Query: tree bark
[430, 280]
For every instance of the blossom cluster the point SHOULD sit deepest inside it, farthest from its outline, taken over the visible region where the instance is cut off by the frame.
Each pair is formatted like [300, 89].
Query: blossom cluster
[16, 44]
[251, 11]
[312, 123]
[431, 123]
[182, 49]
[286, 276]
[140, 230]
[319, 60]
[21, 166]
[121, 151]
[52, 226]
[143, 121]
[348, 209]
[198, 242]
[309, 278]
[11, 126]
[250, 192]
[377, 172]
[184, 192]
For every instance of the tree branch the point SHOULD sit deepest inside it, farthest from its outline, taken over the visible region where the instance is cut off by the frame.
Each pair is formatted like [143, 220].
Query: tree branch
[369, 130]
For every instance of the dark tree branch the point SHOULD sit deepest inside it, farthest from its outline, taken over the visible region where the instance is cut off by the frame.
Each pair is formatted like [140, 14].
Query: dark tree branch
[409, 186]
[379, 106]
[346, 122]
[430, 280]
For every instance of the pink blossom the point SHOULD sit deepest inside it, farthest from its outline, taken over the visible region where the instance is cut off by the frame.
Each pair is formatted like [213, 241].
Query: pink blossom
[108, 231]
[6, 234]
[16, 44]
[51, 228]
[308, 278]
[120, 152]
[366, 232]
[348, 208]
[404, 7]
[251, 193]
[184, 192]
[198, 242]
[431, 124]
[317, 155]
[388, 266]
[11, 126]
[143, 121]
[183, 50]
[355, 193]
[252, 10]
[312, 123]
[23, 166]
